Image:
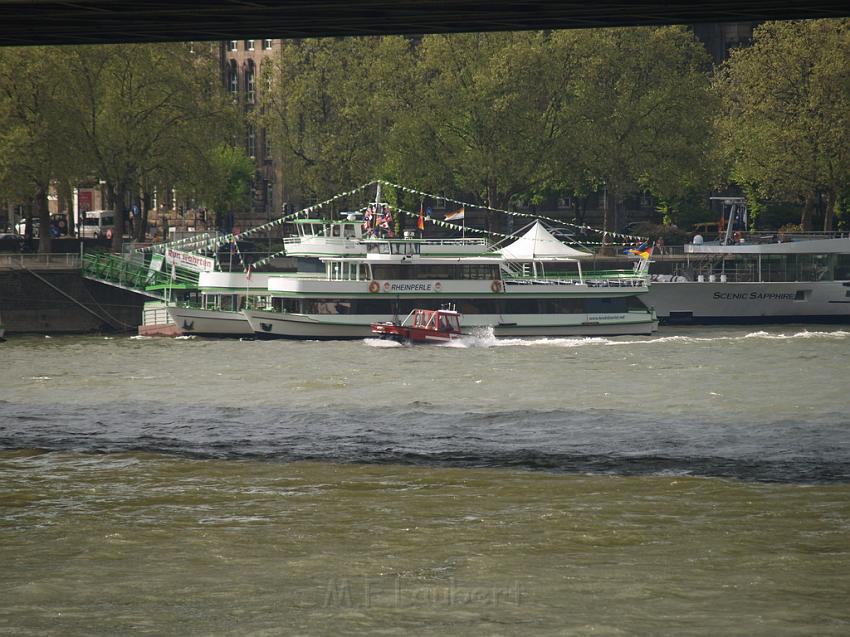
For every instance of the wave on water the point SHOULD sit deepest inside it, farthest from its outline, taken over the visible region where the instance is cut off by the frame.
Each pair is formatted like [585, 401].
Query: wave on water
[381, 342]
[487, 339]
[596, 441]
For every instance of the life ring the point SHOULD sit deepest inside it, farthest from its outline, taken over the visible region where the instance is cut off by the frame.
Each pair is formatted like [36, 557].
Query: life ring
[496, 286]
[374, 287]
[109, 233]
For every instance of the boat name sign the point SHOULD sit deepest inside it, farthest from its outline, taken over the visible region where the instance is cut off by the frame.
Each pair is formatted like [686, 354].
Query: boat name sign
[755, 296]
[189, 261]
[412, 286]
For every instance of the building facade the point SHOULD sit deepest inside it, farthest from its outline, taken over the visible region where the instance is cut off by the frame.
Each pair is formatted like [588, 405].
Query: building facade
[242, 66]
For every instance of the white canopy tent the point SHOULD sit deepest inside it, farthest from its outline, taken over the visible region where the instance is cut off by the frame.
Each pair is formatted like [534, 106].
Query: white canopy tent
[538, 244]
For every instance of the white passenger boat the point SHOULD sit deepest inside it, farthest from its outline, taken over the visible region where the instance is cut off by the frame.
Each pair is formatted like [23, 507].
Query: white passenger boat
[751, 277]
[530, 288]
[217, 309]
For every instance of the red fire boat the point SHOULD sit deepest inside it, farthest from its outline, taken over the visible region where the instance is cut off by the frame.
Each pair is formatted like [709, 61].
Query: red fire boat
[422, 326]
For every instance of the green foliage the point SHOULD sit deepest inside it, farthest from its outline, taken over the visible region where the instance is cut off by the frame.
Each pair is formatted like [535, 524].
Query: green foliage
[665, 234]
[227, 186]
[501, 118]
[34, 143]
[144, 112]
[480, 119]
[329, 108]
[686, 209]
[784, 123]
[641, 111]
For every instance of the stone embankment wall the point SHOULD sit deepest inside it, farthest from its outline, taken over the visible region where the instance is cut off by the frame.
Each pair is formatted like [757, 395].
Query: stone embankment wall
[29, 303]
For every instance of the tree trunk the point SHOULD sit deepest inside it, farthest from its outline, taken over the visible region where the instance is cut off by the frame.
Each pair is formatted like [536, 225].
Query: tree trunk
[808, 210]
[66, 206]
[829, 213]
[45, 239]
[29, 230]
[147, 202]
[116, 204]
[400, 220]
[494, 221]
[609, 201]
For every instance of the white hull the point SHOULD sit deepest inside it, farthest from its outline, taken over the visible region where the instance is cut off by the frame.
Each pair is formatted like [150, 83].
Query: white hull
[193, 321]
[716, 302]
[314, 326]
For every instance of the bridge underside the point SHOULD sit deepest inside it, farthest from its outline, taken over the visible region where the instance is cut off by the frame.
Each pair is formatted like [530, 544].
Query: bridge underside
[34, 22]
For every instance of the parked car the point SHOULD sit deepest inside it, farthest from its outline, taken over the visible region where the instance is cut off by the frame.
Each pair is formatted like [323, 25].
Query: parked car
[13, 242]
[97, 224]
[21, 227]
[58, 223]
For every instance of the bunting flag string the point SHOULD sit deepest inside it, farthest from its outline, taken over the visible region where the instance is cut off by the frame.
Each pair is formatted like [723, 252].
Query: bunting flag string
[261, 262]
[208, 241]
[213, 241]
[513, 213]
[454, 226]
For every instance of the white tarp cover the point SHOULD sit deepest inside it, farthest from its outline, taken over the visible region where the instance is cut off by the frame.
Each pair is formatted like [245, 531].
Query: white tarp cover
[539, 244]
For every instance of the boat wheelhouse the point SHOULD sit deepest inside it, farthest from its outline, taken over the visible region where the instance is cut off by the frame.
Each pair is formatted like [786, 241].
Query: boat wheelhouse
[315, 238]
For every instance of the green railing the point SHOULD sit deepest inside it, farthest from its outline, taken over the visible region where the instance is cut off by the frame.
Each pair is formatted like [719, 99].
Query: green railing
[113, 268]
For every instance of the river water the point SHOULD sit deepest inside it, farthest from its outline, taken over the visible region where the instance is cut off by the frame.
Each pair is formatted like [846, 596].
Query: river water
[693, 483]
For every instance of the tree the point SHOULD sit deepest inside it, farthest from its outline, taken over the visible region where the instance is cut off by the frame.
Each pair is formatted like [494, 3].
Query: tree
[481, 116]
[228, 179]
[640, 107]
[34, 141]
[144, 111]
[785, 123]
[329, 107]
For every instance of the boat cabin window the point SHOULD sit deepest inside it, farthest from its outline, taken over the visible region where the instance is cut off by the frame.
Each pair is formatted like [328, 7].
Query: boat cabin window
[348, 231]
[376, 308]
[453, 271]
[392, 247]
[334, 231]
[449, 323]
[308, 229]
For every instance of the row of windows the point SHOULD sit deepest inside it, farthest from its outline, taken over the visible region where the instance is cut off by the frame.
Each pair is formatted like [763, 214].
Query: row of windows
[402, 307]
[250, 45]
[436, 271]
[251, 143]
[250, 84]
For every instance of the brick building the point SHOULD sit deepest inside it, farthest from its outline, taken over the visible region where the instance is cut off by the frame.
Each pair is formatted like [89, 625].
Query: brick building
[242, 64]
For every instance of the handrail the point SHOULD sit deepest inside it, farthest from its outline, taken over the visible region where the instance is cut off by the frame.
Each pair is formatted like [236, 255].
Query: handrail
[116, 269]
[69, 260]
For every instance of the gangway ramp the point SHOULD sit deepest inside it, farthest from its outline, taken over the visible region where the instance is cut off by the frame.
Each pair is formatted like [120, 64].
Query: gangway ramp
[127, 274]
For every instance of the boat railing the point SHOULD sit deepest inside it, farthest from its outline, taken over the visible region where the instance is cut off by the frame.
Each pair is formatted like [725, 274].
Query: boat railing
[116, 270]
[297, 240]
[776, 236]
[471, 241]
[597, 278]
[40, 260]
[156, 315]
